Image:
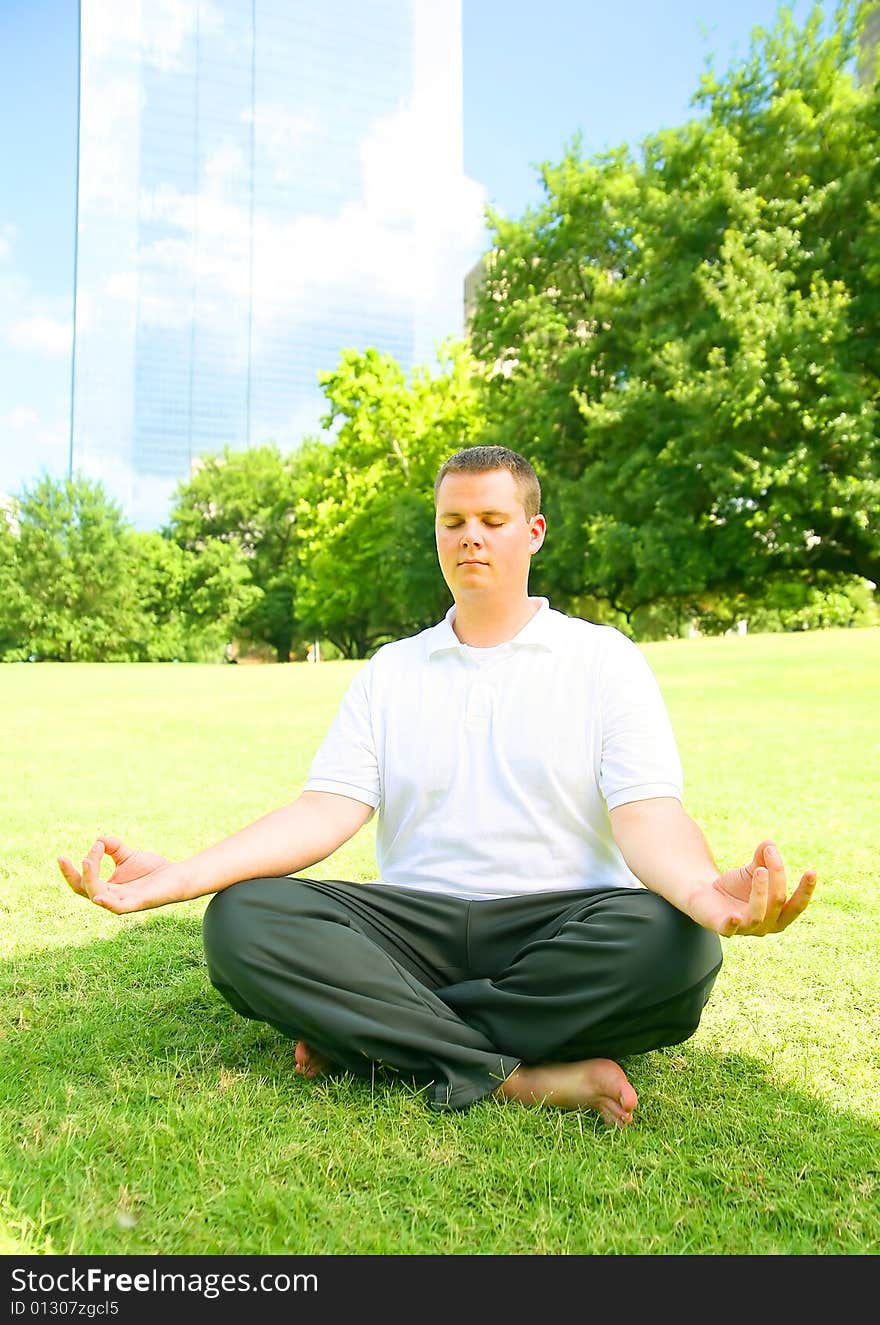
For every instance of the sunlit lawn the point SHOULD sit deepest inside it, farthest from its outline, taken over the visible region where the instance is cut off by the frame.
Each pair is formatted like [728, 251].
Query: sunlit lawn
[141, 1116]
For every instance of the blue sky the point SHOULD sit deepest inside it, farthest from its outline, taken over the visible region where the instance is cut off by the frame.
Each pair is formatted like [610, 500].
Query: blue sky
[534, 75]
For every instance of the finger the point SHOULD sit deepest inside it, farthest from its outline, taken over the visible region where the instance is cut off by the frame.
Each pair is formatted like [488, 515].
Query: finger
[756, 911]
[777, 890]
[757, 860]
[115, 847]
[121, 901]
[114, 902]
[732, 926]
[799, 900]
[91, 877]
[72, 875]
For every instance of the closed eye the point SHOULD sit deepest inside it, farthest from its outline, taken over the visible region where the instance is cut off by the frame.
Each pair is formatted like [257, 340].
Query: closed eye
[455, 524]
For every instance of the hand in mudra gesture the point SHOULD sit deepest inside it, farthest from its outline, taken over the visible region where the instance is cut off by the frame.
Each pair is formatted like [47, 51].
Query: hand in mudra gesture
[752, 899]
[142, 879]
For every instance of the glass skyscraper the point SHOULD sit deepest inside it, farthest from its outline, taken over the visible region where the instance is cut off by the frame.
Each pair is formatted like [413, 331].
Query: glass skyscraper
[262, 183]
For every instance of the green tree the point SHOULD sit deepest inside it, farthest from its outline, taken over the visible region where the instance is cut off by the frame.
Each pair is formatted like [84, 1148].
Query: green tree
[365, 514]
[160, 633]
[248, 498]
[686, 344]
[73, 568]
[78, 584]
[218, 592]
[188, 602]
[12, 600]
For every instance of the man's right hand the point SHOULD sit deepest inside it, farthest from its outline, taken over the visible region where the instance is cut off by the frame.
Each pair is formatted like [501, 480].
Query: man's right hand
[283, 842]
[142, 879]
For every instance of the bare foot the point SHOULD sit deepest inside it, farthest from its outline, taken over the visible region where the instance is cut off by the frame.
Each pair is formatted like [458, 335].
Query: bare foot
[309, 1063]
[595, 1083]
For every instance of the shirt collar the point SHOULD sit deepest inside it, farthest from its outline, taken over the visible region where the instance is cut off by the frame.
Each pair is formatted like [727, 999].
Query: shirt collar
[539, 632]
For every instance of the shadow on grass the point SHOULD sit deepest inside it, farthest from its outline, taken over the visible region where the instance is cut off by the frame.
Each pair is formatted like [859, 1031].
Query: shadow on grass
[129, 1086]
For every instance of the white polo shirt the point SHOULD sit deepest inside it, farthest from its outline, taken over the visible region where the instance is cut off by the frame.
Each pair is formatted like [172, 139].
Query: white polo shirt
[493, 770]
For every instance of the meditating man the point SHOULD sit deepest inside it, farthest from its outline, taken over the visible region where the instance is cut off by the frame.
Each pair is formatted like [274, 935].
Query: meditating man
[545, 905]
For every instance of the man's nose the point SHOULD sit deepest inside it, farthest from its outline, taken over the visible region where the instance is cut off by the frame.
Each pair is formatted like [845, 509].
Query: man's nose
[471, 534]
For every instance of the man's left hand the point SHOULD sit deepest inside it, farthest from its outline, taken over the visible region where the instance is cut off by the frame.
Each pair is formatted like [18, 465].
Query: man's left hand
[752, 899]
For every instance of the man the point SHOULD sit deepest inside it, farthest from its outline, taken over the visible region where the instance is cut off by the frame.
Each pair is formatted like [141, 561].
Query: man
[546, 906]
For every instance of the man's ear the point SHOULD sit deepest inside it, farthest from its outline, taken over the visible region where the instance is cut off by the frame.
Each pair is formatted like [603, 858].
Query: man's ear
[537, 530]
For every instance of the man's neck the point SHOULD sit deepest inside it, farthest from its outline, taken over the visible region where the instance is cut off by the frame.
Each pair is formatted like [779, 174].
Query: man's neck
[482, 626]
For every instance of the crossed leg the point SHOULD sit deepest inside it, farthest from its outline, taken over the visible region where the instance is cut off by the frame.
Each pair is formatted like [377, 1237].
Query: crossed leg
[534, 1005]
[595, 1083]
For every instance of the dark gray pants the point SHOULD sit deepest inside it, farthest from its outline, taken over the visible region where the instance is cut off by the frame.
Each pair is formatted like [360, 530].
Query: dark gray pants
[456, 994]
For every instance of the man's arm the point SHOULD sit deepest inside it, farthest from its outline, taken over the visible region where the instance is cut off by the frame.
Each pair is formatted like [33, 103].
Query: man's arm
[667, 851]
[285, 841]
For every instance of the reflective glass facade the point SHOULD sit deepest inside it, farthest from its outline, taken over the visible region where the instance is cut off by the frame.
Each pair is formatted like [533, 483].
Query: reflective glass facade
[262, 184]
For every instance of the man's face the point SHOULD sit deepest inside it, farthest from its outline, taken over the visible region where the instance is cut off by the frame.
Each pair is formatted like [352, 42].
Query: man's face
[484, 540]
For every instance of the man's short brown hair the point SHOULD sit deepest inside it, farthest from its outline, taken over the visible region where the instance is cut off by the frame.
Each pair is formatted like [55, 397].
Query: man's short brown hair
[479, 459]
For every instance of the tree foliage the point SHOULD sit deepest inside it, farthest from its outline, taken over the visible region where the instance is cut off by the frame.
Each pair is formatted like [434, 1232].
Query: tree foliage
[365, 513]
[78, 584]
[247, 499]
[190, 601]
[76, 599]
[686, 343]
[12, 597]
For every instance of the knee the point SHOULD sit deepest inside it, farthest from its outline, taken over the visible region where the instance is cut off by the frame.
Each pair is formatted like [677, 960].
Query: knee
[219, 924]
[675, 952]
[674, 965]
[240, 917]
[222, 932]
[697, 950]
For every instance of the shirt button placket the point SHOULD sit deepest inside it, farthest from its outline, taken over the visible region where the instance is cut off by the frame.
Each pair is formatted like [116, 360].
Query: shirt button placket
[479, 704]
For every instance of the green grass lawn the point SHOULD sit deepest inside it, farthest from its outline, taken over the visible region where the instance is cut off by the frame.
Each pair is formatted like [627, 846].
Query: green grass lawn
[141, 1116]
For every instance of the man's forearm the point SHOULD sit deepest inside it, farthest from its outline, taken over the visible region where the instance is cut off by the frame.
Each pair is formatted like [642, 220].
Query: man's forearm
[664, 848]
[285, 841]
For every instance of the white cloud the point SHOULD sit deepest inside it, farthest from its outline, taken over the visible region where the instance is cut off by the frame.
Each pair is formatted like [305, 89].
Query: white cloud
[112, 31]
[31, 444]
[168, 26]
[408, 228]
[158, 30]
[29, 324]
[21, 418]
[412, 227]
[109, 151]
[7, 241]
[226, 172]
[41, 334]
[284, 136]
[144, 498]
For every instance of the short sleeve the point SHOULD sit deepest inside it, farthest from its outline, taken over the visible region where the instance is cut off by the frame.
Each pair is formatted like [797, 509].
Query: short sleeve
[346, 763]
[639, 757]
